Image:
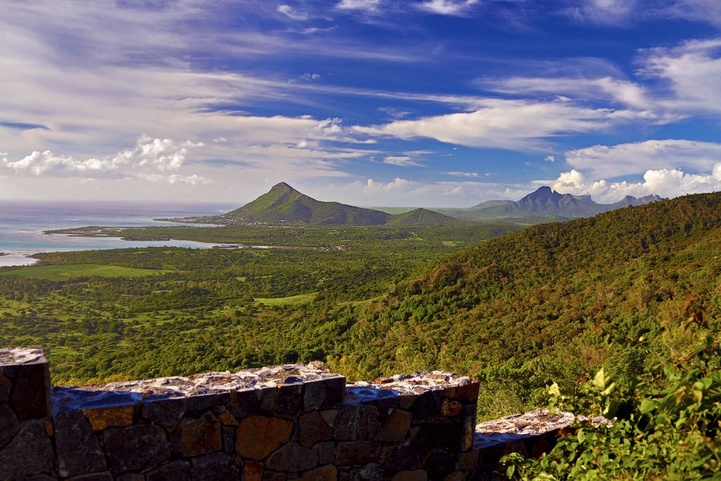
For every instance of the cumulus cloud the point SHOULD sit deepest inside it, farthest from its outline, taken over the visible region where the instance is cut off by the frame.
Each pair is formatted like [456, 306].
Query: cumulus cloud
[670, 168]
[506, 124]
[148, 155]
[447, 7]
[663, 182]
[603, 162]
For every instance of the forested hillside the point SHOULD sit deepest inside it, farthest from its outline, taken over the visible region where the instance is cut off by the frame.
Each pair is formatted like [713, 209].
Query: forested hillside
[554, 302]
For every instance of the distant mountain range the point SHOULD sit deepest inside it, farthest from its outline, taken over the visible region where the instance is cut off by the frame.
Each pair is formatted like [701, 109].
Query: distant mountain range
[543, 204]
[285, 205]
[282, 204]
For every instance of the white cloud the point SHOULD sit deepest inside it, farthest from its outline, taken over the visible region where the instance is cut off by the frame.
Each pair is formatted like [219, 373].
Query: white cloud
[550, 158]
[582, 89]
[447, 7]
[663, 182]
[707, 11]
[176, 179]
[602, 11]
[603, 162]
[367, 5]
[310, 76]
[462, 174]
[401, 160]
[505, 124]
[691, 73]
[289, 12]
[148, 154]
[408, 193]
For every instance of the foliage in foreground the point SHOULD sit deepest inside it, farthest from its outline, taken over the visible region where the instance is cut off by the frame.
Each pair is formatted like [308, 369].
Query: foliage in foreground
[668, 426]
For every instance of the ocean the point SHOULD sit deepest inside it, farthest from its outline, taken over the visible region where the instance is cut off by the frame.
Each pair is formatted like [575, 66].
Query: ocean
[22, 225]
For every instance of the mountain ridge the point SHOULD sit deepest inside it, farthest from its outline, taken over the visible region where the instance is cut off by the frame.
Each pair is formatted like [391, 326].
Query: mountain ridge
[283, 204]
[545, 204]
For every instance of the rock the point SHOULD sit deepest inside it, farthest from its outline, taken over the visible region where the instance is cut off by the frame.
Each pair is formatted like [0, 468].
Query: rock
[258, 436]
[215, 467]
[173, 471]
[293, 458]
[313, 429]
[252, 471]
[78, 448]
[354, 453]
[9, 424]
[396, 427]
[136, 447]
[113, 416]
[30, 397]
[417, 475]
[324, 473]
[356, 423]
[195, 437]
[28, 453]
[166, 412]
[5, 387]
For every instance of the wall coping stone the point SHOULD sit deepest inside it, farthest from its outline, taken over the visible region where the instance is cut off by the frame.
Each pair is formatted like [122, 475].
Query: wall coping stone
[22, 356]
[522, 426]
[403, 385]
[133, 392]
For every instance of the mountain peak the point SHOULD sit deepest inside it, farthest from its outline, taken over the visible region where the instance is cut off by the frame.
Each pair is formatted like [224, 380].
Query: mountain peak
[282, 204]
[282, 187]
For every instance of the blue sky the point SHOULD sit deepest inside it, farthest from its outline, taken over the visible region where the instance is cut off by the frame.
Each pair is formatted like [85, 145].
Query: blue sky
[371, 102]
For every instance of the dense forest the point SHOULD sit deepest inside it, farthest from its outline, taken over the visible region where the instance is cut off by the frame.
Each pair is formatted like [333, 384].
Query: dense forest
[625, 290]
[141, 312]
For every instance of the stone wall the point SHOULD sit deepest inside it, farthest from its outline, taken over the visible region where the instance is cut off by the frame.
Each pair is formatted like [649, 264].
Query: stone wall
[271, 424]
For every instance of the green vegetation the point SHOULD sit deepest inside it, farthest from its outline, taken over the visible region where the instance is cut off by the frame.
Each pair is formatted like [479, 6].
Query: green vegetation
[285, 205]
[633, 294]
[553, 303]
[60, 273]
[212, 309]
[667, 426]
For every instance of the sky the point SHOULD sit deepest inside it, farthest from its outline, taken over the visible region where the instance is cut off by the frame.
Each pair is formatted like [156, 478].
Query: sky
[414, 103]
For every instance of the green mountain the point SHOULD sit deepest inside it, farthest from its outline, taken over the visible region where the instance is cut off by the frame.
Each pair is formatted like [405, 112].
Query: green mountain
[543, 205]
[554, 302]
[283, 204]
[424, 217]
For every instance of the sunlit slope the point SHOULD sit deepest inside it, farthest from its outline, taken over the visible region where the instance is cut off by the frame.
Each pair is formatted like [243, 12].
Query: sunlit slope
[283, 204]
[554, 301]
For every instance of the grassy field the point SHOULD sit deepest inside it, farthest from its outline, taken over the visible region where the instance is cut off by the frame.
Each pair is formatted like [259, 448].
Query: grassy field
[64, 272]
[286, 301]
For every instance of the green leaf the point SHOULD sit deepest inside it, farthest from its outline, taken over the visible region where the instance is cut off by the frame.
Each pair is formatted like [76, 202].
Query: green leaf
[554, 390]
[599, 379]
[648, 405]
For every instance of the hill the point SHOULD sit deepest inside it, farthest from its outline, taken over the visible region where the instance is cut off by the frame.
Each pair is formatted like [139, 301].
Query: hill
[553, 303]
[543, 205]
[418, 217]
[283, 204]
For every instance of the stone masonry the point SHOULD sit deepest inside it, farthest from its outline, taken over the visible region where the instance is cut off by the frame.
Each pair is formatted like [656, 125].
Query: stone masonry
[290, 422]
